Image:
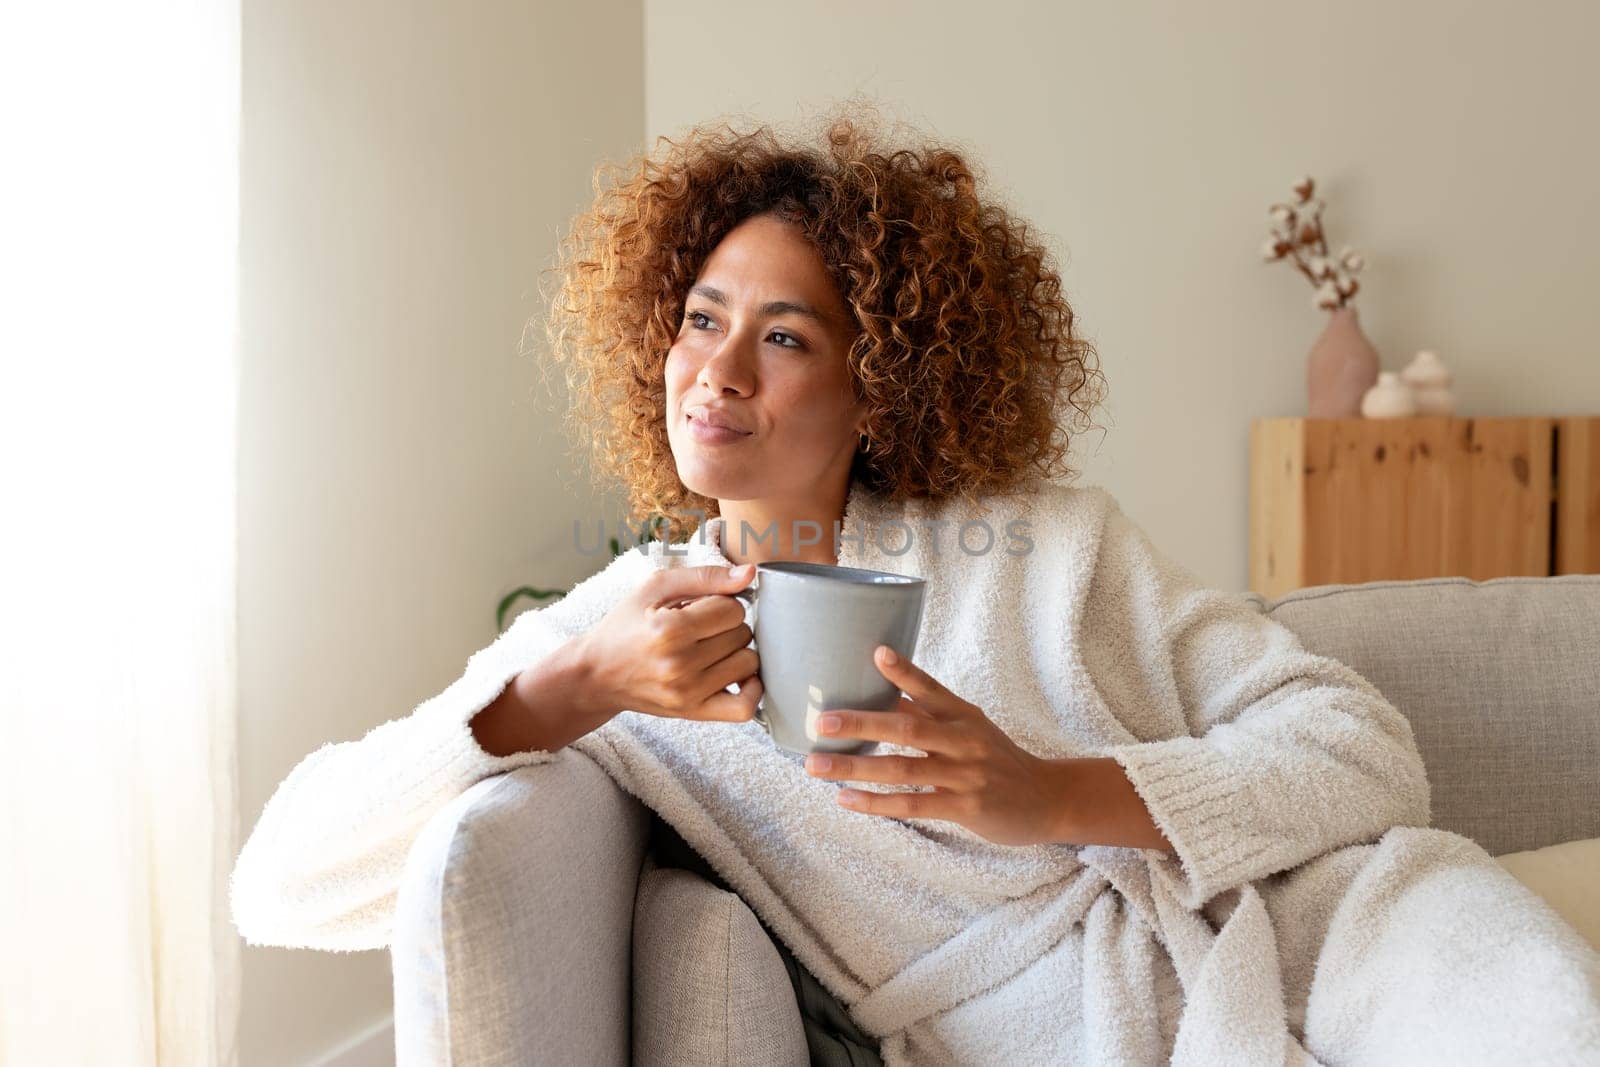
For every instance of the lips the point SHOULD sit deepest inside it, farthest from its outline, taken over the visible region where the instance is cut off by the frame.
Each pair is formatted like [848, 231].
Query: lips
[718, 419]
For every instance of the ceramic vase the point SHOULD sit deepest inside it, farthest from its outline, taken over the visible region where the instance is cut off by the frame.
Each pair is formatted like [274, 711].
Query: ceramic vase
[1430, 381]
[1390, 398]
[1343, 365]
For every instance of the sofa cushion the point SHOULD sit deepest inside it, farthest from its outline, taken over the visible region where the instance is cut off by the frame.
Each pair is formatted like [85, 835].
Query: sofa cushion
[1565, 875]
[708, 985]
[1500, 681]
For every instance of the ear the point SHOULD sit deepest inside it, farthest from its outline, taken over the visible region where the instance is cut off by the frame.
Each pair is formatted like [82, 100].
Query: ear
[860, 410]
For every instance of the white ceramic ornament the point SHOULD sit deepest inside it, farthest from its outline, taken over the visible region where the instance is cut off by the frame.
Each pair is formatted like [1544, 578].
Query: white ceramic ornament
[1389, 399]
[1429, 380]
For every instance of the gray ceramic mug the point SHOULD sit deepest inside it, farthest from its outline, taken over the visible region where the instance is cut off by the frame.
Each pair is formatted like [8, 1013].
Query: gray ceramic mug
[816, 627]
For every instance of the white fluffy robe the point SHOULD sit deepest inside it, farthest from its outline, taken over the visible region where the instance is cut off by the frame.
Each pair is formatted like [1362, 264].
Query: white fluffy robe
[1308, 916]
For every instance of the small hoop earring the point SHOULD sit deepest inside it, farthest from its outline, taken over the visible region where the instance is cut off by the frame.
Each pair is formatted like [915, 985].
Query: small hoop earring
[866, 443]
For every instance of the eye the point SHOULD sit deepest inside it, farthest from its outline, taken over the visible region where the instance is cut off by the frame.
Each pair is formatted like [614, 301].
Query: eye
[694, 317]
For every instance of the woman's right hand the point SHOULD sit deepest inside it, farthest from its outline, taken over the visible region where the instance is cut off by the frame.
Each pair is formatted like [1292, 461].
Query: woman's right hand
[675, 644]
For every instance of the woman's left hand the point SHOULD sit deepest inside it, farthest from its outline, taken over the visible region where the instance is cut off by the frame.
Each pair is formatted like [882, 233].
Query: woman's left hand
[982, 779]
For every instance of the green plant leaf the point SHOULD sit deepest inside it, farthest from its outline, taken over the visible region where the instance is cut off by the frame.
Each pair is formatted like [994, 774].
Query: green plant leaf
[528, 591]
[652, 533]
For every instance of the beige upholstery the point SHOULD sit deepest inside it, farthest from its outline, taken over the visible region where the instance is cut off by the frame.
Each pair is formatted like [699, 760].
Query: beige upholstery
[513, 929]
[708, 984]
[516, 920]
[1500, 681]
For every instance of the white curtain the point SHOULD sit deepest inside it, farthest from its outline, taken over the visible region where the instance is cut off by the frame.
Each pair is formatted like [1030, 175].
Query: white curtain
[118, 250]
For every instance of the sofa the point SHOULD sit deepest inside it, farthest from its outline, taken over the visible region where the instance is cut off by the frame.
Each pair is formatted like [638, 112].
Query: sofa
[537, 923]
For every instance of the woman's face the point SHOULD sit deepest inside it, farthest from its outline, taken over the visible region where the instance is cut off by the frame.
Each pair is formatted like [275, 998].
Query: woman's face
[762, 348]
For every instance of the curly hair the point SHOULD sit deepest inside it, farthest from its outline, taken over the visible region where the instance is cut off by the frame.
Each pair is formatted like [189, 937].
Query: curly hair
[966, 351]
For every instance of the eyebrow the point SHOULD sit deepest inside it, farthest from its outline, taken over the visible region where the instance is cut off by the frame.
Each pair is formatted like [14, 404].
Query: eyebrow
[771, 307]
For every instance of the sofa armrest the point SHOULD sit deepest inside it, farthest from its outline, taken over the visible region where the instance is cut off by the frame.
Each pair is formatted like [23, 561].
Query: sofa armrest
[514, 922]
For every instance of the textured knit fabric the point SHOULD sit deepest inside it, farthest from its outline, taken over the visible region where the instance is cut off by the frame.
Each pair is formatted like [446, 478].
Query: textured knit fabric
[1308, 914]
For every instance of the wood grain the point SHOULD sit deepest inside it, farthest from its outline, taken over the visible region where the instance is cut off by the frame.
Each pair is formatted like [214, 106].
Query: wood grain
[1577, 535]
[1361, 500]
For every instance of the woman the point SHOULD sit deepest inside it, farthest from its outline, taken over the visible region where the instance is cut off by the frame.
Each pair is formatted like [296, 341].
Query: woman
[1117, 818]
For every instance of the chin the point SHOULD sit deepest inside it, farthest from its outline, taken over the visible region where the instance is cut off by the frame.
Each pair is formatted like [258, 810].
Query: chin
[718, 480]
[717, 485]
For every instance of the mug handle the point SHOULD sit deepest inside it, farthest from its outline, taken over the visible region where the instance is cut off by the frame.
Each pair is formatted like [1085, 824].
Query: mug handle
[748, 595]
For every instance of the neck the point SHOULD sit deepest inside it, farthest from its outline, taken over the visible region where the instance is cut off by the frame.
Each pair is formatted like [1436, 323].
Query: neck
[769, 529]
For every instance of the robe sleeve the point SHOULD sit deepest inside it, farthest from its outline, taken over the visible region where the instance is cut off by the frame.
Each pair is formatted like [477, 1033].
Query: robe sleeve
[322, 867]
[1262, 755]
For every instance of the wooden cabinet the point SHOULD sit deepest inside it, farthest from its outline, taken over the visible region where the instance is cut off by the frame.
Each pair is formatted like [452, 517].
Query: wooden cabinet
[1361, 500]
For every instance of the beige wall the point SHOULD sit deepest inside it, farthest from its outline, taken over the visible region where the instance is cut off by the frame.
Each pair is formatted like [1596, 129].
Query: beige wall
[1147, 140]
[406, 169]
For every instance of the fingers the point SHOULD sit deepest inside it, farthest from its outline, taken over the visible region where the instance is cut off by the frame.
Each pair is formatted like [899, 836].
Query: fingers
[733, 668]
[667, 588]
[903, 770]
[917, 684]
[707, 616]
[940, 805]
[709, 650]
[733, 707]
[908, 724]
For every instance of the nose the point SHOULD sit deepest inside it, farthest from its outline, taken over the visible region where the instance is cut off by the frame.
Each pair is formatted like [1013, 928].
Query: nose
[727, 370]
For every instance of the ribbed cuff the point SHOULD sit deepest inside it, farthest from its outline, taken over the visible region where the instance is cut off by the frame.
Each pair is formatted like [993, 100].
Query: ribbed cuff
[1204, 806]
